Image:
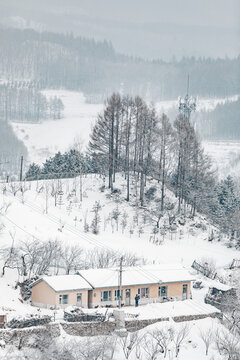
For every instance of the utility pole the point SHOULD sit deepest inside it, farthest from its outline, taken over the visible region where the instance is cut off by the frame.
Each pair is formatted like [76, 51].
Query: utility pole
[120, 283]
[21, 168]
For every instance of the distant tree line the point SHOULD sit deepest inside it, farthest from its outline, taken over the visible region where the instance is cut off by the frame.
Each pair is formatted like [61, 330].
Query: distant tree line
[221, 123]
[11, 150]
[23, 102]
[58, 60]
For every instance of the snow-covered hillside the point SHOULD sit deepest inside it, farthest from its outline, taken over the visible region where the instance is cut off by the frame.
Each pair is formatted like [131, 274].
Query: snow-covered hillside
[26, 216]
[32, 215]
[45, 139]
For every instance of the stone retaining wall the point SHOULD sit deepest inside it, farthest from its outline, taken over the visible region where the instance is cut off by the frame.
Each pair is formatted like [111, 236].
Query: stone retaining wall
[217, 315]
[39, 336]
[89, 329]
[42, 336]
[134, 325]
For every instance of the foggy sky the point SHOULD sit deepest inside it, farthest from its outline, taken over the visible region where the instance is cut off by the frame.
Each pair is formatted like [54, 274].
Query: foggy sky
[147, 28]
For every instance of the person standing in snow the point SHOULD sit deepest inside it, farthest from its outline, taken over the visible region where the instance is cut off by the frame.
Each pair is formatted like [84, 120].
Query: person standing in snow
[137, 297]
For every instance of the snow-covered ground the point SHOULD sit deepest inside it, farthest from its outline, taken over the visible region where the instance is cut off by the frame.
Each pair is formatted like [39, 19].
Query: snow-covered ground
[26, 218]
[45, 139]
[141, 346]
[207, 104]
[225, 156]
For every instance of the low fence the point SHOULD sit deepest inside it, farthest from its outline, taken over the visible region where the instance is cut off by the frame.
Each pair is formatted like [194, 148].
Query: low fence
[204, 270]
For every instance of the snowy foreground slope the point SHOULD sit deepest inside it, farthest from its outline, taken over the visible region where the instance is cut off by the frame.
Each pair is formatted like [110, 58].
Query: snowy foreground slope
[134, 347]
[32, 214]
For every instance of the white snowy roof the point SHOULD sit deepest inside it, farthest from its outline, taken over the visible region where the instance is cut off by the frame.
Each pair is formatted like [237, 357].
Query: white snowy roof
[104, 278]
[65, 282]
[156, 274]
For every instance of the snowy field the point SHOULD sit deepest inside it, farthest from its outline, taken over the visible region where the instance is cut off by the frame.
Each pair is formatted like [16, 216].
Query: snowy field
[45, 139]
[225, 156]
[203, 104]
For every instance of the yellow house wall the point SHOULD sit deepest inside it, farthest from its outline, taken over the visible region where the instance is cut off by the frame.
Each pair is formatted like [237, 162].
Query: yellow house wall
[174, 290]
[72, 297]
[44, 295]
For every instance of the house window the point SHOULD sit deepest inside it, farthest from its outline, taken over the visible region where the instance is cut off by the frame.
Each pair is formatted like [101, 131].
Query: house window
[79, 298]
[184, 289]
[143, 293]
[63, 299]
[116, 294]
[162, 291]
[106, 295]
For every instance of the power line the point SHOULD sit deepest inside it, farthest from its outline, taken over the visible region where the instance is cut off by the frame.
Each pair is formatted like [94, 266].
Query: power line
[68, 227]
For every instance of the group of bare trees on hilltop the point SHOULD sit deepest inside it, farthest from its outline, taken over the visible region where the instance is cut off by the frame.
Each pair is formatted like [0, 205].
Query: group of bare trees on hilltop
[130, 136]
[33, 257]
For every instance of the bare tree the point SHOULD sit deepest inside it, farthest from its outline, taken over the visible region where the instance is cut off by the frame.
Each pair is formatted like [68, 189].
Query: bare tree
[227, 344]
[78, 146]
[14, 187]
[163, 337]
[72, 258]
[47, 193]
[124, 221]
[179, 335]
[87, 348]
[128, 343]
[96, 218]
[10, 255]
[152, 348]
[207, 337]
[115, 215]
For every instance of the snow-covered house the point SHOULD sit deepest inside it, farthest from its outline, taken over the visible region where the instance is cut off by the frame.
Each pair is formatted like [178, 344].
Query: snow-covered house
[60, 291]
[100, 287]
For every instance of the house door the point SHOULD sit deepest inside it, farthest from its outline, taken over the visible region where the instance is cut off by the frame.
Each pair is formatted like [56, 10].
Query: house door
[79, 299]
[128, 297]
[185, 291]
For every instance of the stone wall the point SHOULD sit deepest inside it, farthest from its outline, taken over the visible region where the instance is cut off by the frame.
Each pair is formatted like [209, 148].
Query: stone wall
[197, 317]
[89, 329]
[36, 337]
[134, 325]
[42, 336]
